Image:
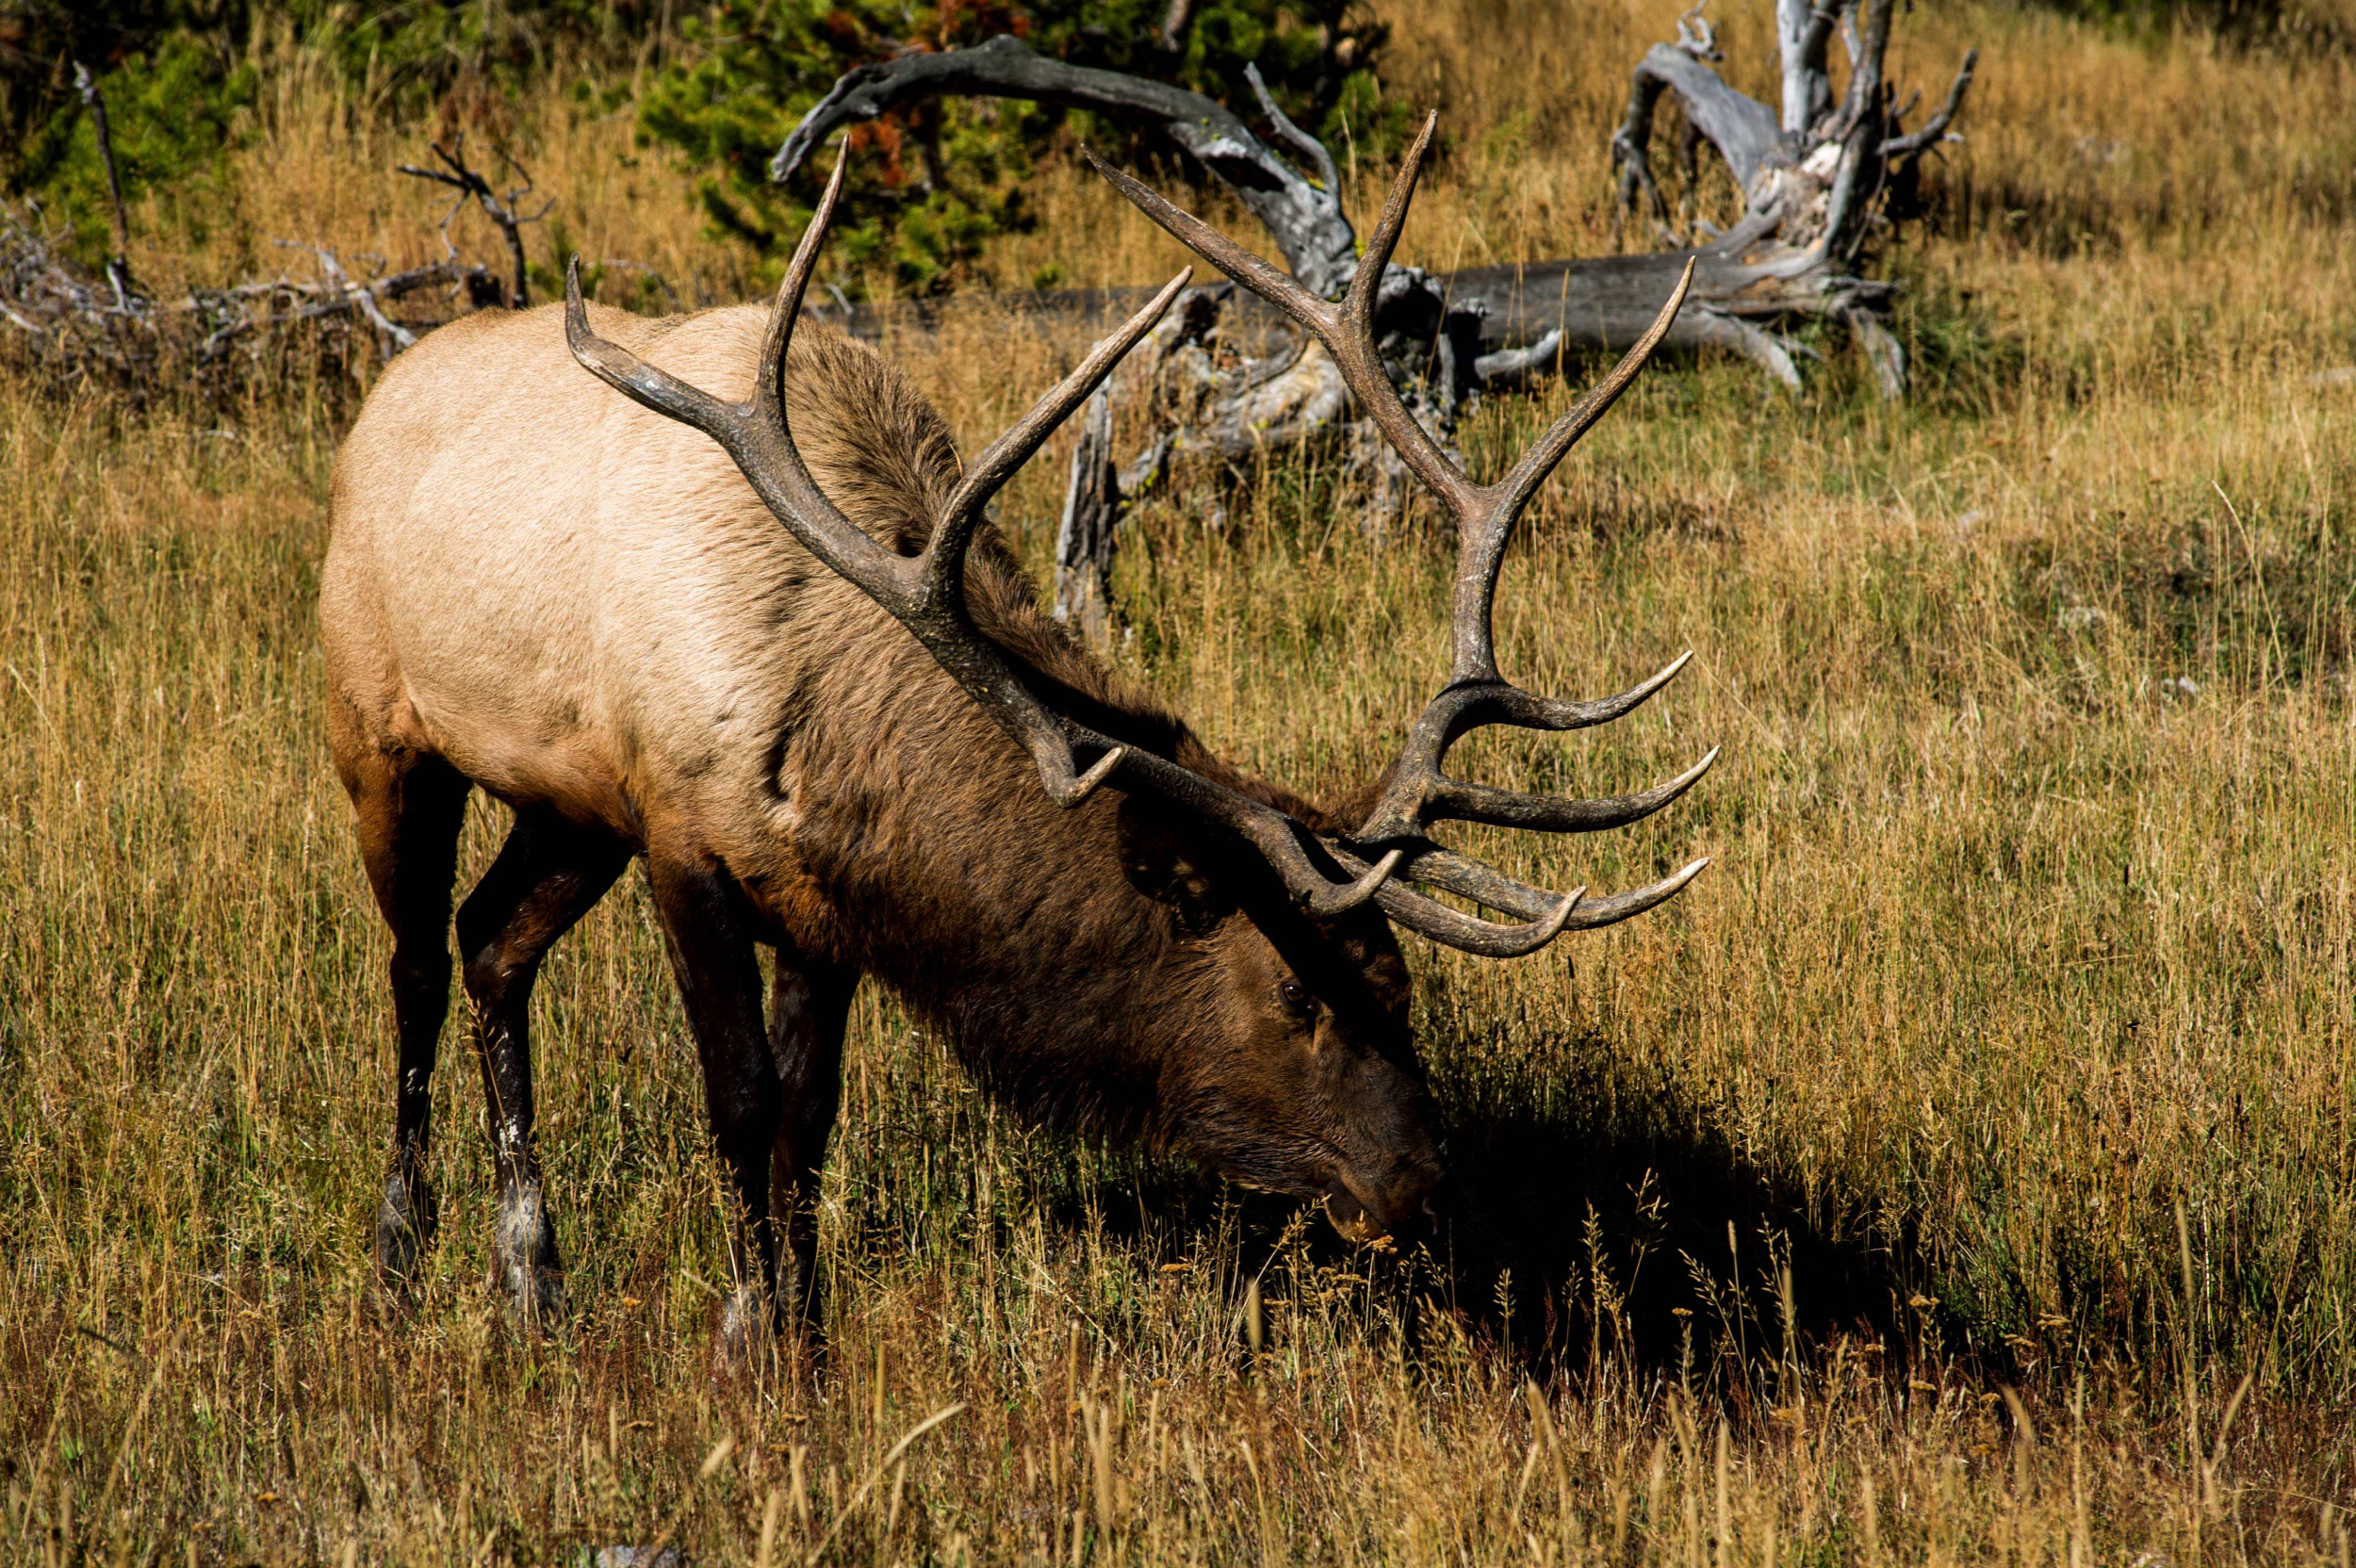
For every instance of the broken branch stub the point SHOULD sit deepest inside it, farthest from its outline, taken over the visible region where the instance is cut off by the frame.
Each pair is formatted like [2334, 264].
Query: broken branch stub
[118, 265]
[1091, 511]
[1817, 178]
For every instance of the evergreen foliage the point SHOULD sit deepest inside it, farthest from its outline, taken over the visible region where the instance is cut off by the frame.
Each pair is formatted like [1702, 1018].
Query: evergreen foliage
[735, 75]
[938, 178]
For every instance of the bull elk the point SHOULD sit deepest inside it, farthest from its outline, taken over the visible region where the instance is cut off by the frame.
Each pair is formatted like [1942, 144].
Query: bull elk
[856, 739]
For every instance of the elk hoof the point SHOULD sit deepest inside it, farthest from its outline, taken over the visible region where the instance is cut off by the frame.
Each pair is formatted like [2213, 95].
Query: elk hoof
[404, 1229]
[745, 1343]
[535, 1298]
[526, 1264]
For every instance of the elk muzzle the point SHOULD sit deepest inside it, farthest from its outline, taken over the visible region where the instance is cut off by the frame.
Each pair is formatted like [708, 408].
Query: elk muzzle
[1395, 1203]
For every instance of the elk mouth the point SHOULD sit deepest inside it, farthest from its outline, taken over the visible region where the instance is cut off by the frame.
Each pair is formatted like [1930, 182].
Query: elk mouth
[1359, 1214]
[1379, 1211]
[1350, 1218]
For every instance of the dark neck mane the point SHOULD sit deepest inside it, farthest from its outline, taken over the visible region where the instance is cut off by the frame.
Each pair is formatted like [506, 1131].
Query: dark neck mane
[1005, 921]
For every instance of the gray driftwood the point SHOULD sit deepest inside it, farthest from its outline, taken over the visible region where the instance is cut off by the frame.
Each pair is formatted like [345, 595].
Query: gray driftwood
[1303, 216]
[1818, 180]
[1224, 382]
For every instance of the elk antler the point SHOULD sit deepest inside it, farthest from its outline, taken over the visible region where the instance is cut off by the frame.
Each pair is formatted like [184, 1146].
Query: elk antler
[1416, 794]
[927, 594]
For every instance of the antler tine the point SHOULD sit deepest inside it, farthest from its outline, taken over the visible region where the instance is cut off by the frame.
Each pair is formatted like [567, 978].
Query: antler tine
[944, 558]
[1278, 288]
[754, 432]
[1354, 352]
[1416, 782]
[1627, 905]
[1347, 333]
[1366, 283]
[1483, 938]
[1450, 800]
[1512, 492]
[769, 391]
[1461, 874]
[1481, 544]
[637, 379]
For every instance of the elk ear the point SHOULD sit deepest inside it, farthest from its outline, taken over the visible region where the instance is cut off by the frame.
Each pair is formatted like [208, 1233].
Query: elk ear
[1162, 865]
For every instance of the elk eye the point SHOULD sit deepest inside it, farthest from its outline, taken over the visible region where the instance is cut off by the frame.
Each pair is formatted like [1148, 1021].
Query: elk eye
[1296, 998]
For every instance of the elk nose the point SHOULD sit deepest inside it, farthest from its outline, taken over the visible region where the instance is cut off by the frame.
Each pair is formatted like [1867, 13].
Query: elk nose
[1412, 1206]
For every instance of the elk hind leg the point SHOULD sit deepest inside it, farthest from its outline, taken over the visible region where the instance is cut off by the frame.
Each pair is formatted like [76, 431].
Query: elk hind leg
[410, 807]
[548, 874]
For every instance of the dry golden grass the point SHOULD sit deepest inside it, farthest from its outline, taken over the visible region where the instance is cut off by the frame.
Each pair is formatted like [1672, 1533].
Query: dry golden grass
[1922, 1185]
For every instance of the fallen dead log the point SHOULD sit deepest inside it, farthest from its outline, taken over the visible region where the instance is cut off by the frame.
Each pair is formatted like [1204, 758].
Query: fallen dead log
[218, 343]
[75, 329]
[1821, 181]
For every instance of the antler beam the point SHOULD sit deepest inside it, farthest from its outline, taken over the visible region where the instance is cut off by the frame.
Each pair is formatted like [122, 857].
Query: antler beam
[1417, 793]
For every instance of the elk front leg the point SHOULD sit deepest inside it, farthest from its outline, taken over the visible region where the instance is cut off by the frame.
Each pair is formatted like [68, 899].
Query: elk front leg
[707, 931]
[548, 874]
[810, 1003]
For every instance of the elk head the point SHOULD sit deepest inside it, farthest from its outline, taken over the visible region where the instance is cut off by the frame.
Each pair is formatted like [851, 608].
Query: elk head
[1300, 1075]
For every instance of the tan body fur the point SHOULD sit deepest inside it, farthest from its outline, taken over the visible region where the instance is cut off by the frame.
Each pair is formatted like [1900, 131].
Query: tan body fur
[536, 587]
[580, 603]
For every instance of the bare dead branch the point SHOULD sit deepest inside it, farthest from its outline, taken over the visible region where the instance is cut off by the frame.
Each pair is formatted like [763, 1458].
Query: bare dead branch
[504, 211]
[1740, 128]
[119, 266]
[1934, 128]
[1305, 220]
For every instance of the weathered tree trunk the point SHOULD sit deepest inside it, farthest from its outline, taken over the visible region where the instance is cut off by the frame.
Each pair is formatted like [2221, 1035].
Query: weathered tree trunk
[1819, 183]
[1091, 511]
[1226, 379]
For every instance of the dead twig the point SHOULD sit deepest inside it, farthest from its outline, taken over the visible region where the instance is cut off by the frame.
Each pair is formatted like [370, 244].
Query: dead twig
[505, 212]
[118, 265]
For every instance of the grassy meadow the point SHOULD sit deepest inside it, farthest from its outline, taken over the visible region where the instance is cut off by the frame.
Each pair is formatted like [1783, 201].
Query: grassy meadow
[1963, 1170]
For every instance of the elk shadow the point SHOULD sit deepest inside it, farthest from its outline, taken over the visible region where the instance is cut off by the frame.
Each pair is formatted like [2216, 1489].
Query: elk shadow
[1614, 1212]
[1581, 1175]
